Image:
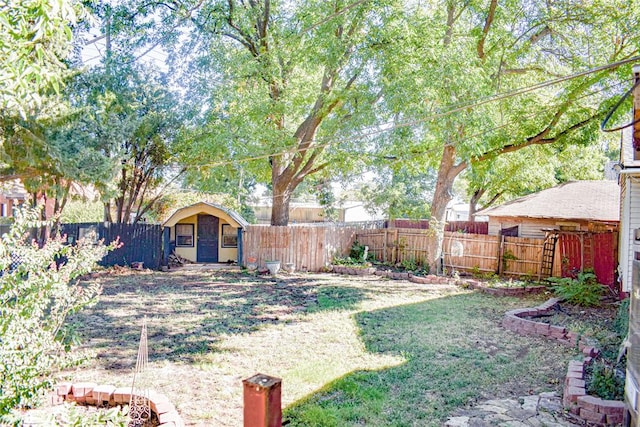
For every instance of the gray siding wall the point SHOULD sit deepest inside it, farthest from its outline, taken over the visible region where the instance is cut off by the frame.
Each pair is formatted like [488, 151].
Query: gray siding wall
[629, 221]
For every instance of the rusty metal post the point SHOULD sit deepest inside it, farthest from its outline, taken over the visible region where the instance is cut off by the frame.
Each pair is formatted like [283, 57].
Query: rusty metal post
[262, 401]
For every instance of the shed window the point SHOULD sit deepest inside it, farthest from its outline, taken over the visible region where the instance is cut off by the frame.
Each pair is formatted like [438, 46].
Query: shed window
[184, 235]
[229, 236]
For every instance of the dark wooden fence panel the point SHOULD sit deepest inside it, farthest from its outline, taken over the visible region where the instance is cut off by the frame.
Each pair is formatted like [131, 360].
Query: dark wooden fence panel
[139, 243]
[597, 251]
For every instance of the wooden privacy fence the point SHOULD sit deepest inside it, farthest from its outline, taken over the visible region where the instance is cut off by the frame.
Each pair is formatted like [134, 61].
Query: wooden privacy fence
[511, 256]
[309, 248]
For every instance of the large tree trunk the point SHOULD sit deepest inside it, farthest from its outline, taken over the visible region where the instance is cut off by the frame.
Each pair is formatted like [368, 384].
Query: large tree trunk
[447, 173]
[473, 203]
[280, 207]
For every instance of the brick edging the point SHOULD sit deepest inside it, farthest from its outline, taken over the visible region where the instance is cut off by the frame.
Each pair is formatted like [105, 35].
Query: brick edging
[517, 291]
[575, 398]
[87, 393]
[372, 271]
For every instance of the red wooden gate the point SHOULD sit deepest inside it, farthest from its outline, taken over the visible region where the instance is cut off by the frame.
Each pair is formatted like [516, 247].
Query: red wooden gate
[584, 250]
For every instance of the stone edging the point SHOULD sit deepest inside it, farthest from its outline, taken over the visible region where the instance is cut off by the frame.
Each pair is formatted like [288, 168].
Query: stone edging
[372, 271]
[432, 279]
[516, 291]
[575, 398]
[106, 395]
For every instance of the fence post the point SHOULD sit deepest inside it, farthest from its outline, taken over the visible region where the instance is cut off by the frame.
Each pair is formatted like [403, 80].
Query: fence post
[384, 245]
[262, 401]
[500, 252]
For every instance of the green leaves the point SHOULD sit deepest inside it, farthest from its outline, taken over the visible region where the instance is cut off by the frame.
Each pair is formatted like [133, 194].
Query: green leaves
[39, 287]
[35, 38]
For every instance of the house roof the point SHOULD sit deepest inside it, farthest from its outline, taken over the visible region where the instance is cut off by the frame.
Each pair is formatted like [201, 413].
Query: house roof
[229, 215]
[586, 200]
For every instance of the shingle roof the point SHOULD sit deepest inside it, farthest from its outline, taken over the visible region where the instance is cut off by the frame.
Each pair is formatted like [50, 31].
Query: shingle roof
[590, 200]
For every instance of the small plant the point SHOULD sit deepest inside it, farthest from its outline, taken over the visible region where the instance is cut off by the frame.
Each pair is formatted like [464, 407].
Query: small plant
[621, 323]
[409, 264]
[584, 290]
[507, 256]
[605, 383]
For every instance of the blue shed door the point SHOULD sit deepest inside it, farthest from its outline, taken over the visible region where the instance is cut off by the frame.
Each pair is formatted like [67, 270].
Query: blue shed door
[208, 226]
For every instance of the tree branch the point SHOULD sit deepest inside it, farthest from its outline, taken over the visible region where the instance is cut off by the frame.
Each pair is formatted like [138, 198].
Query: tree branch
[487, 26]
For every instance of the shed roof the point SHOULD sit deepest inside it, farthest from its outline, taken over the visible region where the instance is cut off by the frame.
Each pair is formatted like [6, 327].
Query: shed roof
[586, 200]
[231, 216]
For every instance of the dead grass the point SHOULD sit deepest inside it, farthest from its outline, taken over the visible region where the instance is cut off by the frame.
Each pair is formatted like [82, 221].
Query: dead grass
[209, 330]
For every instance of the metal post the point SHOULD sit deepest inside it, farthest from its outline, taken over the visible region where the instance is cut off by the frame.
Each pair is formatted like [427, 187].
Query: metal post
[262, 401]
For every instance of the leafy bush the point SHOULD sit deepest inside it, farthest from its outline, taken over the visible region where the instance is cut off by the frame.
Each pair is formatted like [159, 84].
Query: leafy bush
[71, 415]
[357, 251]
[583, 290]
[605, 383]
[621, 323]
[39, 288]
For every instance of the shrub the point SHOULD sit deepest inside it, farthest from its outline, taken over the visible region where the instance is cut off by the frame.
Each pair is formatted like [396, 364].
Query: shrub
[621, 323]
[584, 290]
[605, 383]
[39, 288]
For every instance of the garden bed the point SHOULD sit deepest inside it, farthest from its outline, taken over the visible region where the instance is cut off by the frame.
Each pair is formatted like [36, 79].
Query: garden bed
[540, 320]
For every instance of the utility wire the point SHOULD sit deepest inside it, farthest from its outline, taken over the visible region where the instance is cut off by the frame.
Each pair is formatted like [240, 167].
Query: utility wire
[482, 101]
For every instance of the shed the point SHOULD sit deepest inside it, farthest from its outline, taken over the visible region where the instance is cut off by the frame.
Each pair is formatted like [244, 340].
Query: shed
[205, 233]
[592, 206]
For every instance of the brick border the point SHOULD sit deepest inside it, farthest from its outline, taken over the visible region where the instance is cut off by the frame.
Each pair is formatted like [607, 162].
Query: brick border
[372, 271]
[87, 393]
[516, 291]
[433, 279]
[575, 398]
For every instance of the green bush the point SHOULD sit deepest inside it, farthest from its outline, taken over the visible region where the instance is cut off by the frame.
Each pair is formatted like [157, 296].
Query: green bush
[621, 323]
[73, 416]
[584, 290]
[39, 288]
[604, 382]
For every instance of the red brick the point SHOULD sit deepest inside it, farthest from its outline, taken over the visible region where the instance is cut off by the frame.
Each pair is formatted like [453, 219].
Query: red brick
[122, 395]
[590, 351]
[591, 416]
[614, 419]
[576, 375]
[82, 389]
[574, 382]
[103, 393]
[589, 403]
[63, 389]
[54, 399]
[574, 409]
[572, 337]
[173, 417]
[611, 407]
[542, 328]
[557, 331]
[574, 393]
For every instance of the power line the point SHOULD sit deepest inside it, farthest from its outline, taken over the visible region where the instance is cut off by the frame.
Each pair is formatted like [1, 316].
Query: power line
[473, 104]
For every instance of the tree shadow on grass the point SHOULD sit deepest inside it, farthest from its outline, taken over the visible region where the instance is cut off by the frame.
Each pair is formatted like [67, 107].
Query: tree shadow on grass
[188, 315]
[455, 354]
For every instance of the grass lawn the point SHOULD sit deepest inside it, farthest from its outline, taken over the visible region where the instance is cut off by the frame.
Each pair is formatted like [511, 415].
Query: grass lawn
[351, 351]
